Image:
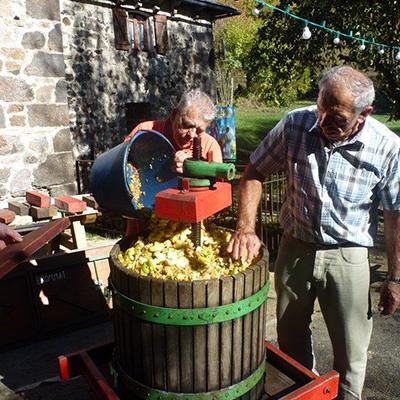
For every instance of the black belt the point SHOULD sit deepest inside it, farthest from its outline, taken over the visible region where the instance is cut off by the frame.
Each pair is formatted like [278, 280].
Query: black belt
[321, 246]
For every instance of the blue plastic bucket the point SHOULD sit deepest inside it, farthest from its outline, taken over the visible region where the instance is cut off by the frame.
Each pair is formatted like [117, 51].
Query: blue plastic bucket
[151, 154]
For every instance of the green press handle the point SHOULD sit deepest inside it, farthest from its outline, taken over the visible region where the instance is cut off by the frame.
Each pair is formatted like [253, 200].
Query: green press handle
[205, 169]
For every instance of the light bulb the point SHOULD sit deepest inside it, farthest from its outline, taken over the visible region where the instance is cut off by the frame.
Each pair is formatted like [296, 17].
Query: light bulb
[256, 12]
[398, 56]
[336, 40]
[306, 33]
[362, 47]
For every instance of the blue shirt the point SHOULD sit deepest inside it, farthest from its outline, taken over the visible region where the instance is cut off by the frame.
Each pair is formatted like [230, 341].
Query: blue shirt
[333, 191]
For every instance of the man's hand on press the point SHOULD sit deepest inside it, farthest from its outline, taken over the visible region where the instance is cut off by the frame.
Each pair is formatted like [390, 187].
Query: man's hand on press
[390, 298]
[244, 244]
[8, 236]
[180, 157]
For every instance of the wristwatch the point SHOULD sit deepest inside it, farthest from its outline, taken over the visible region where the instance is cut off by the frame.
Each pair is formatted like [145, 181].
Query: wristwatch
[395, 279]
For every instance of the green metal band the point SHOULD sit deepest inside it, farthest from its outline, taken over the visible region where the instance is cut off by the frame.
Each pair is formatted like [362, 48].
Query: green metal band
[190, 316]
[229, 393]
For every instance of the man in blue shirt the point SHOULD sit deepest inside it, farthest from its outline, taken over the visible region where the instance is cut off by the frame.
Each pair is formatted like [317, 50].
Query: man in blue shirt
[340, 164]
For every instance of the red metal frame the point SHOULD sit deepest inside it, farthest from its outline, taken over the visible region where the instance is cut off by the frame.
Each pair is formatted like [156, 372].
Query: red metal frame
[307, 386]
[193, 205]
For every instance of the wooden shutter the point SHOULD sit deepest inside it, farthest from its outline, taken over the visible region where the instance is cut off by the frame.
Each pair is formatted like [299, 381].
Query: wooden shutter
[120, 18]
[160, 23]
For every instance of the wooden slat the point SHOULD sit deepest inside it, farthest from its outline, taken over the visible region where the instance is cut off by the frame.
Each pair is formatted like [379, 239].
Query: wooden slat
[14, 253]
[172, 339]
[226, 334]
[261, 324]
[213, 345]
[185, 292]
[117, 314]
[199, 340]
[146, 332]
[135, 332]
[157, 299]
[127, 353]
[254, 330]
[237, 336]
[247, 329]
[262, 319]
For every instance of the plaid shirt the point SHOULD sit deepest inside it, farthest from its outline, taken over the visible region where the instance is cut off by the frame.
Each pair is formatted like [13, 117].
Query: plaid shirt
[333, 191]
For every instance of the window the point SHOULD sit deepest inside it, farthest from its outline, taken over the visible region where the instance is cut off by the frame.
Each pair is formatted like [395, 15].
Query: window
[138, 32]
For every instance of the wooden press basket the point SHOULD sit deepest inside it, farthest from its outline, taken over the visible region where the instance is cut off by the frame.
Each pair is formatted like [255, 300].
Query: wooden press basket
[193, 340]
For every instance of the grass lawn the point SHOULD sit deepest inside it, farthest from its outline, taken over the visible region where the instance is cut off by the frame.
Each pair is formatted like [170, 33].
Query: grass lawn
[252, 125]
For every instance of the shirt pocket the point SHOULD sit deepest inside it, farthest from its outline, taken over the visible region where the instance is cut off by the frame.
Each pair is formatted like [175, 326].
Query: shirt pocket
[360, 186]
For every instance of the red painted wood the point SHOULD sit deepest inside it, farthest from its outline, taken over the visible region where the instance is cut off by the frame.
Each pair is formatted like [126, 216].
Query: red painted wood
[324, 387]
[193, 206]
[7, 216]
[37, 199]
[96, 380]
[70, 204]
[14, 253]
[63, 367]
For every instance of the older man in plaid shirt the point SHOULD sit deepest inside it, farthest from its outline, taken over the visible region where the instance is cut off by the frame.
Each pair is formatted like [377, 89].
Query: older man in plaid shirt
[340, 164]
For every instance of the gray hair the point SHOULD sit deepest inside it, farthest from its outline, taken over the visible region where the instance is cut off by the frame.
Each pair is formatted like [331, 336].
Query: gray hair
[359, 85]
[198, 99]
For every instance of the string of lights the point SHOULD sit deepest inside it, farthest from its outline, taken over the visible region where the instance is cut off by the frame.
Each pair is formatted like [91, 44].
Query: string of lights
[337, 34]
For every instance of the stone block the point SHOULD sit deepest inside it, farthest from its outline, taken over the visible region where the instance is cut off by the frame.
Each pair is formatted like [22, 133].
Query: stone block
[4, 174]
[19, 208]
[44, 94]
[13, 67]
[2, 120]
[39, 213]
[43, 9]
[18, 120]
[62, 141]
[6, 216]
[61, 91]
[33, 40]
[70, 204]
[30, 159]
[38, 199]
[62, 190]
[39, 144]
[9, 144]
[15, 108]
[48, 115]
[90, 202]
[14, 90]
[56, 170]
[45, 64]
[14, 54]
[55, 39]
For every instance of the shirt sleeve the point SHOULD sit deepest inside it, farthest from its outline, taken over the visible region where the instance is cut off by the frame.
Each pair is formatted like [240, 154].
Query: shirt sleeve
[143, 125]
[210, 144]
[269, 157]
[390, 194]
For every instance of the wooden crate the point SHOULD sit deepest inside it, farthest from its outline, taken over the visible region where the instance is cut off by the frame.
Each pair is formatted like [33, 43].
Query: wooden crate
[51, 293]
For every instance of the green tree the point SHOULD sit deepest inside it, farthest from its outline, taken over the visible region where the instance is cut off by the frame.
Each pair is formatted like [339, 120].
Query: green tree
[280, 56]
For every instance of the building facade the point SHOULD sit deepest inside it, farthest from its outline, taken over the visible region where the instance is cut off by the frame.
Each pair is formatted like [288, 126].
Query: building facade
[77, 75]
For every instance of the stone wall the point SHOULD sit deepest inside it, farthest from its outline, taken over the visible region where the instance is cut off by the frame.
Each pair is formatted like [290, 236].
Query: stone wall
[35, 141]
[101, 79]
[64, 86]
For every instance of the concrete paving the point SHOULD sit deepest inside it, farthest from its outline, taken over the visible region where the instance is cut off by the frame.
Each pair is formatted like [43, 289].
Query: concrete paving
[32, 370]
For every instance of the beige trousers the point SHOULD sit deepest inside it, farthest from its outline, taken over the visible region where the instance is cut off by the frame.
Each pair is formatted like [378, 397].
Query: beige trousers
[340, 279]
